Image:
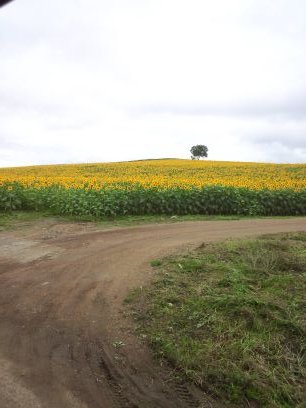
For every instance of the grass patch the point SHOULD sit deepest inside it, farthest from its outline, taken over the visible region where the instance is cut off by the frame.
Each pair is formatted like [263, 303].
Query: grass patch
[156, 262]
[14, 219]
[231, 318]
[11, 220]
[133, 295]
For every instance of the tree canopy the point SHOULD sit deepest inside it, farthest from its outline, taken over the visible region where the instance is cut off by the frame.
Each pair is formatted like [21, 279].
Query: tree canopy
[198, 151]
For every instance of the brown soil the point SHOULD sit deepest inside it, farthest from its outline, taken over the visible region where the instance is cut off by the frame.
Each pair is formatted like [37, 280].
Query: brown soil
[66, 340]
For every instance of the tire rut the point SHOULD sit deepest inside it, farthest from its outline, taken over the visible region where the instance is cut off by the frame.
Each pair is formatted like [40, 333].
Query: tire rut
[119, 398]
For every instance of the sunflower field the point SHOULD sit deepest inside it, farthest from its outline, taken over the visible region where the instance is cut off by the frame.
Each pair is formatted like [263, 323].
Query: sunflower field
[167, 186]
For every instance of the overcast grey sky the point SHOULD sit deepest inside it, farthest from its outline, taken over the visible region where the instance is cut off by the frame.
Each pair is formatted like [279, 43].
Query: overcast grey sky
[98, 80]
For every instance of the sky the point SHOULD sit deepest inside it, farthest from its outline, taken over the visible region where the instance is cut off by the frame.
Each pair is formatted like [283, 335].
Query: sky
[95, 81]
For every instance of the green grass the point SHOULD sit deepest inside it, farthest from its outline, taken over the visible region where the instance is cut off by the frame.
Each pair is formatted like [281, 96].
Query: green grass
[156, 262]
[14, 219]
[11, 220]
[230, 317]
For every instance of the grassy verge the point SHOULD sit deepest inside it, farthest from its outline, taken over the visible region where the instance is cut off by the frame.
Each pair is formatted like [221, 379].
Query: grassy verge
[13, 219]
[16, 219]
[231, 318]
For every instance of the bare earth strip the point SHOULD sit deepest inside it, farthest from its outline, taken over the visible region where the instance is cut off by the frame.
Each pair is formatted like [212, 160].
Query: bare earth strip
[61, 291]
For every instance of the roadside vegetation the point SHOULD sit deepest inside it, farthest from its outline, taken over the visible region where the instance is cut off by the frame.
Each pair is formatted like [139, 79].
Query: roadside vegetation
[230, 317]
[14, 219]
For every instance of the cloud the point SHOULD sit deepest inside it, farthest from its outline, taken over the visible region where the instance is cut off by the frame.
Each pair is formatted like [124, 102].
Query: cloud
[121, 80]
[290, 108]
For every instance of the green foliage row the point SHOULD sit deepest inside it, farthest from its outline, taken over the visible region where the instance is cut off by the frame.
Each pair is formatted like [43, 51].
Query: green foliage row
[212, 200]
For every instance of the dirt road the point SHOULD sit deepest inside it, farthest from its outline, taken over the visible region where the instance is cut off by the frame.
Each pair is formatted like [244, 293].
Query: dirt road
[65, 341]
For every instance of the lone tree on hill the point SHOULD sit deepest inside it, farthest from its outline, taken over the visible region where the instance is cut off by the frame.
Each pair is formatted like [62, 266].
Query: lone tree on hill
[198, 151]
